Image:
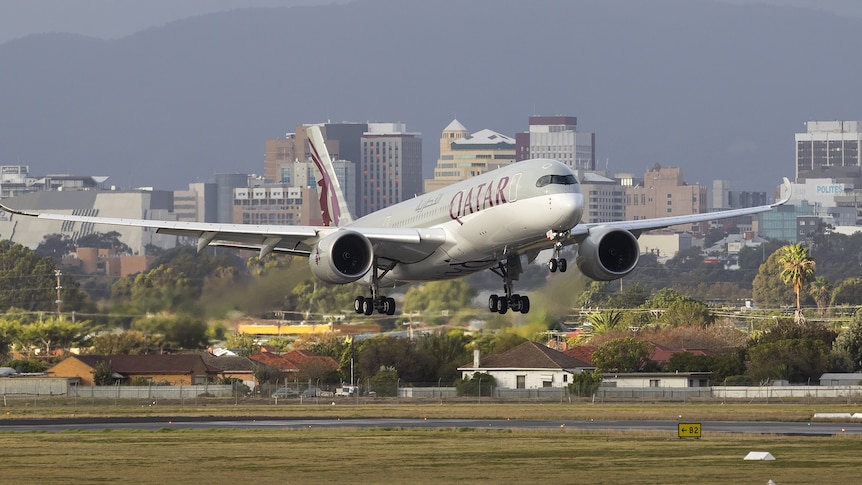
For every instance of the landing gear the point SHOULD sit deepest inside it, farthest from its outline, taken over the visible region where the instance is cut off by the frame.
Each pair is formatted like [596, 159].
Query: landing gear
[557, 263]
[384, 305]
[509, 270]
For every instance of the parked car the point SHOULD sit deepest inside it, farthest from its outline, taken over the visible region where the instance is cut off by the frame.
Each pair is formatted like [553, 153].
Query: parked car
[285, 392]
[346, 391]
[316, 392]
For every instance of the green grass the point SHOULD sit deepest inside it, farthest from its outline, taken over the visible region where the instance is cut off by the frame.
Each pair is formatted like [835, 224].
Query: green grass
[421, 456]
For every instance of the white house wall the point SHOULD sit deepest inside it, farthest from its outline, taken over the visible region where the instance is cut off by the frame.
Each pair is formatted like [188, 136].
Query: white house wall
[534, 378]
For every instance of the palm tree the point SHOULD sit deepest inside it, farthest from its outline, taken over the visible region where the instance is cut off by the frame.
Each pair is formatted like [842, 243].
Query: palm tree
[820, 289]
[797, 267]
[603, 322]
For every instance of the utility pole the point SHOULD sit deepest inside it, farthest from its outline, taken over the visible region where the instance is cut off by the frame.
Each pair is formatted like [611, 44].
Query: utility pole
[59, 302]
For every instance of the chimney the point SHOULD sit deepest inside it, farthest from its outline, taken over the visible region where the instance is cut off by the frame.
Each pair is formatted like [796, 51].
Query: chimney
[476, 358]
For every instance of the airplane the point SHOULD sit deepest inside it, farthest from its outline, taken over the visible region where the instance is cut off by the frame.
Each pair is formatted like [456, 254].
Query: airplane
[490, 221]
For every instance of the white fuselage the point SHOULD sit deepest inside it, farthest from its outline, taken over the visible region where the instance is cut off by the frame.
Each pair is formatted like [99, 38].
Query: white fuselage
[486, 219]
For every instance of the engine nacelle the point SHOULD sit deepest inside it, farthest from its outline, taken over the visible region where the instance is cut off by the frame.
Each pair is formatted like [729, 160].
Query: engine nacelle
[608, 254]
[341, 257]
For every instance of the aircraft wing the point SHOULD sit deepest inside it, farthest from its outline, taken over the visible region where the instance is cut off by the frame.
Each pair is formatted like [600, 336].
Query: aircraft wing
[581, 231]
[396, 245]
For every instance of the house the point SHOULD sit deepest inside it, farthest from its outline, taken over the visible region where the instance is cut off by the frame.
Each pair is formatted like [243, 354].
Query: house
[298, 364]
[643, 380]
[233, 367]
[527, 366]
[841, 379]
[176, 370]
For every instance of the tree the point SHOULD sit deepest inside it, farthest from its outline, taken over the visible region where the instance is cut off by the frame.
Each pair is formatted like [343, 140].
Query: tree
[108, 240]
[129, 342]
[626, 354]
[29, 282]
[498, 343]
[103, 373]
[794, 360]
[180, 331]
[53, 333]
[687, 311]
[797, 267]
[439, 296]
[849, 340]
[585, 384]
[847, 292]
[604, 322]
[9, 332]
[449, 350]
[396, 353]
[55, 246]
[820, 290]
[384, 382]
[768, 289]
[161, 288]
[480, 384]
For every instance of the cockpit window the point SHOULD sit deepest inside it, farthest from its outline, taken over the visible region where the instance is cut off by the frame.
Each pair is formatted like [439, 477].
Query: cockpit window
[556, 180]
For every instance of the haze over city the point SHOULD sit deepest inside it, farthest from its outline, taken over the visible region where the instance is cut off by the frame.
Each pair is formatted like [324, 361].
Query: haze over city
[186, 90]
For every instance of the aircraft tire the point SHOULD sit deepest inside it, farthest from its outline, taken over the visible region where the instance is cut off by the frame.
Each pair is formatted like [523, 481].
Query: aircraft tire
[563, 265]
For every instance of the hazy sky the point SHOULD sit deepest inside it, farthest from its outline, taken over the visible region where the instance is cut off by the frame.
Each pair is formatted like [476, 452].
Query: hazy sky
[109, 19]
[117, 18]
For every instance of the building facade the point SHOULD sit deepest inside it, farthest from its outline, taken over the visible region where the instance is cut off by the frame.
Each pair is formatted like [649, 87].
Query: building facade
[829, 149]
[557, 137]
[390, 168]
[463, 155]
[604, 198]
[275, 204]
[664, 194]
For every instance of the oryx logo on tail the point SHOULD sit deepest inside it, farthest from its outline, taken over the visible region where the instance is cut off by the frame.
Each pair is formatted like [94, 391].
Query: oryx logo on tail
[332, 202]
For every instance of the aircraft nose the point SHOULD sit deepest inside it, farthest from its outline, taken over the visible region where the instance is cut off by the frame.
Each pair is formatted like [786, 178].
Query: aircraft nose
[568, 208]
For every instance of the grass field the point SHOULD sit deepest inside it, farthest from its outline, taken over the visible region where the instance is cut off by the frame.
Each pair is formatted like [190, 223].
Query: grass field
[421, 456]
[426, 456]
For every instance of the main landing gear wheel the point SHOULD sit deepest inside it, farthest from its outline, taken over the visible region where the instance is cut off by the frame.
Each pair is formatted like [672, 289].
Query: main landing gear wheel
[384, 305]
[366, 306]
[558, 264]
[516, 303]
[509, 270]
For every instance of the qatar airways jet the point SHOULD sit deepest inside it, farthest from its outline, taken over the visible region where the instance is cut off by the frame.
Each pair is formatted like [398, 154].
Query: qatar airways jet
[491, 221]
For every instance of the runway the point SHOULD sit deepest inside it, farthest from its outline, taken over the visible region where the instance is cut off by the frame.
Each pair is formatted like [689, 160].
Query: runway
[156, 423]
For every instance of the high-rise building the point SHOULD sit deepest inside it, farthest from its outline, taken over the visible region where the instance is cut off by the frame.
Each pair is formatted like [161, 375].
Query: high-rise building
[463, 155]
[304, 174]
[604, 198]
[663, 194]
[557, 137]
[276, 204]
[390, 167]
[829, 149]
[225, 183]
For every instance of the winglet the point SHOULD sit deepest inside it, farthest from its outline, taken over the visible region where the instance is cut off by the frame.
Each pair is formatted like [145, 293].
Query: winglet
[788, 190]
[332, 201]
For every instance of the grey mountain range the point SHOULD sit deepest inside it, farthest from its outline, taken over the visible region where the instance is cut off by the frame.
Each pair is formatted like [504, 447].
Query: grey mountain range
[715, 88]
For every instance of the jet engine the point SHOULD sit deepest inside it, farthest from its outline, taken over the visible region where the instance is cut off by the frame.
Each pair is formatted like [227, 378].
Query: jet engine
[341, 257]
[608, 253]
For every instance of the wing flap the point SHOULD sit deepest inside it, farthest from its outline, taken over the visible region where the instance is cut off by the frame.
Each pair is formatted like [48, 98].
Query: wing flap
[394, 244]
